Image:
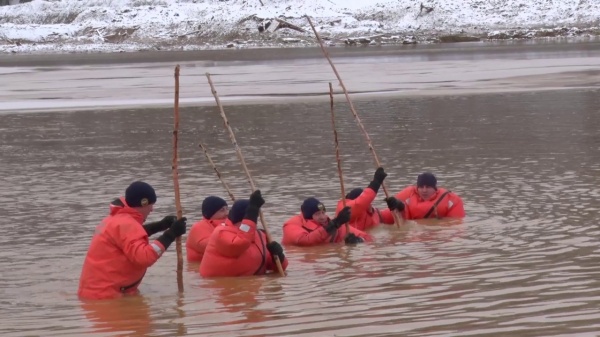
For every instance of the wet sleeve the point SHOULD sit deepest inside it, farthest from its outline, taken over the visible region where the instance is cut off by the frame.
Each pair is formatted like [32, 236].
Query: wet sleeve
[456, 208]
[295, 234]
[199, 237]
[271, 266]
[361, 234]
[362, 203]
[387, 217]
[271, 262]
[233, 241]
[404, 194]
[134, 243]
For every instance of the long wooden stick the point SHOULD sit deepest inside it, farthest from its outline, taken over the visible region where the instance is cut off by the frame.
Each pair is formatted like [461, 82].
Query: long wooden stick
[337, 153]
[176, 183]
[212, 163]
[360, 124]
[241, 157]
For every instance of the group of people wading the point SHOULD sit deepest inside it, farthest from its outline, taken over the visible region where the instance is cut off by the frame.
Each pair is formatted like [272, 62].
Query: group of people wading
[226, 241]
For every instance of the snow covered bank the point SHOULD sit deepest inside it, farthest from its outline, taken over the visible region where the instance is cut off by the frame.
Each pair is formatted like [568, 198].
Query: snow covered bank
[135, 25]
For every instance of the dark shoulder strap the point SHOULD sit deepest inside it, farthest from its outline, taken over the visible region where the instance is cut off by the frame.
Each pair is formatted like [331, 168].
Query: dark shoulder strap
[437, 202]
[333, 236]
[379, 212]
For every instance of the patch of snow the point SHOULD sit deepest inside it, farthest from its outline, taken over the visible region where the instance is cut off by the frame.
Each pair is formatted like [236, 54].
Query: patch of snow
[128, 25]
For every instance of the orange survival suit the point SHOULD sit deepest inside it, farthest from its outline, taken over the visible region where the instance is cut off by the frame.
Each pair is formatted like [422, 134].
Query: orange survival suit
[119, 255]
[299, 231]
[198, 238]
[449, 205]
[237, 248]
[364, 216]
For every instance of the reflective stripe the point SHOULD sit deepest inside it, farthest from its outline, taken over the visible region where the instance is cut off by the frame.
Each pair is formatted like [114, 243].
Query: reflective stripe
[450, 204]
[157, 249]
[244, 228]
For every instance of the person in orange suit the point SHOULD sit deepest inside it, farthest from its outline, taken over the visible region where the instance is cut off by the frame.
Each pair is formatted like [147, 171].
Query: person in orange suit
[364, 215]
[214, 211]
[238, 248]
[120, 251]
[425, 200]
[313, 227]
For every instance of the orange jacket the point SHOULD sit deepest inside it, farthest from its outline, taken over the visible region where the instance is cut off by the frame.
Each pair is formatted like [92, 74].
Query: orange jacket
[237, 251]
[364, 216]
[198, 237]
[451, 206]
[119, 255]
[298, 231]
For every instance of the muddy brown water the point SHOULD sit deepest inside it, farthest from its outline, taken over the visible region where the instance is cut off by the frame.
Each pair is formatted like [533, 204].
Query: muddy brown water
[524, 262]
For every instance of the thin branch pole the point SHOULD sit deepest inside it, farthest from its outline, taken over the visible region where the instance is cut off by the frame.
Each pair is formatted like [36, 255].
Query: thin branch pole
[337, 153]
[241, 157]
[212, 163]
[360, 124]
[176, 182]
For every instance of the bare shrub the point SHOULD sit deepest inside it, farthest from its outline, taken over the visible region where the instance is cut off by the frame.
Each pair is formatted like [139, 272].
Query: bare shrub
[63, 17]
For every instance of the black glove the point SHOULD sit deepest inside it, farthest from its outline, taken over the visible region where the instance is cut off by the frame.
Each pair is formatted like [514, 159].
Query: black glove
[378, 178]
[342, 218]
[276, 250]
[353, 239]
[331, 227]
[176, 230]
[256, 201]
[159, 226]
[394, 204]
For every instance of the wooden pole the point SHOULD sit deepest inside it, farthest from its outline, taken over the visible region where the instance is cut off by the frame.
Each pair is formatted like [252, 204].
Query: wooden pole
[337, 153]
[360, 124]
[241, 157]
[176, 183]
[212, 163]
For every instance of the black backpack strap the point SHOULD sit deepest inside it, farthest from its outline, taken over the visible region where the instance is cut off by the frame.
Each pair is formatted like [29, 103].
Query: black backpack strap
[437, 202]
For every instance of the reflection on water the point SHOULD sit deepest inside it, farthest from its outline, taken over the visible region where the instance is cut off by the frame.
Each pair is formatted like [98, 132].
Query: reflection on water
[524, 261]
[127, 316]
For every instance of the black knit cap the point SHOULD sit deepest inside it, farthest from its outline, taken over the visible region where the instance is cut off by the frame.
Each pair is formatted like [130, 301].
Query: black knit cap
[212, 205]
[354, 193]
[140, 194]
[427, 179]
[238, 210]
[310, 206]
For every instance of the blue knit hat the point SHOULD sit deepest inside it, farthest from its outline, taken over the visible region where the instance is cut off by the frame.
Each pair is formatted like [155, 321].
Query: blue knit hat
[427, 179]
[354, 193]
[238, 210]
[310, 206]
[212, 205]
[140, 194]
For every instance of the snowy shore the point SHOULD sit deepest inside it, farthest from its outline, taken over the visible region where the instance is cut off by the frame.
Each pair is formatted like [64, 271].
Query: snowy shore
[51, 26]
